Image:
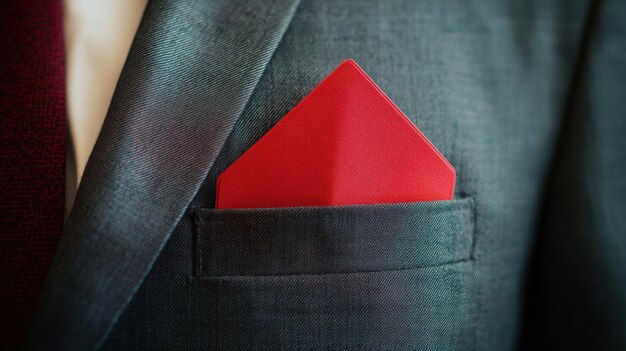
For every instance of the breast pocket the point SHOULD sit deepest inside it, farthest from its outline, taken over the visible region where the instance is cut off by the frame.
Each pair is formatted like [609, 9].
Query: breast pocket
[389, 276]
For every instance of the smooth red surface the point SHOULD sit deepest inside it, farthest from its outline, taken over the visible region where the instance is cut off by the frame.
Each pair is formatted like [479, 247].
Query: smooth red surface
[345, 143]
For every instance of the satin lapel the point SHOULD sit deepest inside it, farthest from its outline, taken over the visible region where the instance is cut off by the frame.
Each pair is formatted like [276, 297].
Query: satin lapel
[188, 76]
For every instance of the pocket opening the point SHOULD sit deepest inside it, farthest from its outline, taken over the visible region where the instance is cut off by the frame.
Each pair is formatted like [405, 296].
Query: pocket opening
[334, 239]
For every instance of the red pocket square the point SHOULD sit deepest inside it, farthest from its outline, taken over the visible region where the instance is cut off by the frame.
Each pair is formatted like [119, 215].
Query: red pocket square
[345, 143]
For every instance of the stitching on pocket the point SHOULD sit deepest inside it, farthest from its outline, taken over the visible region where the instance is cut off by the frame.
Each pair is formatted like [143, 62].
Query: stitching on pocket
[275, 213]
[407, 269]
[276, 216]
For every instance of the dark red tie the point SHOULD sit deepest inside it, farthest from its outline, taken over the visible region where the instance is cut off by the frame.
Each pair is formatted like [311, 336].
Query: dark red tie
[32, 155]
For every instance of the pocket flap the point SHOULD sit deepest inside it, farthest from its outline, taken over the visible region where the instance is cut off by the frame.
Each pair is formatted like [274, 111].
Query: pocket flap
[340, 239]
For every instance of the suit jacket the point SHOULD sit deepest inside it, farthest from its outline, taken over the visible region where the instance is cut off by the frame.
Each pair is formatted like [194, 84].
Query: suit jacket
[525, 99]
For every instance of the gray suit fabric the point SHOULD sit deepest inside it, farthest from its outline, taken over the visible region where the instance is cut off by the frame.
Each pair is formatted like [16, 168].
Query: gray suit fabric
[526, 101]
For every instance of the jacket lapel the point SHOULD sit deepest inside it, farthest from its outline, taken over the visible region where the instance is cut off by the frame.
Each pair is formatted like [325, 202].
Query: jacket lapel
[188, 76]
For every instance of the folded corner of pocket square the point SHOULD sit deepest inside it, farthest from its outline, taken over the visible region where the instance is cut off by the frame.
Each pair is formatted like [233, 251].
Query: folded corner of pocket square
[345, 143]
